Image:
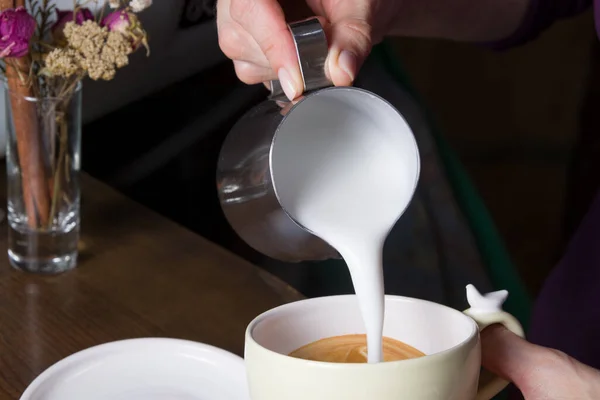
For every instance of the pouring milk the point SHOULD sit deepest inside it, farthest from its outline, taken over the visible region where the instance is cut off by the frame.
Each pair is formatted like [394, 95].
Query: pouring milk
[345, 166]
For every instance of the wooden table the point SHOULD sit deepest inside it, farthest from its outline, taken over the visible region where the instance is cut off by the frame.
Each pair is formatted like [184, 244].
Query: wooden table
[139, 275]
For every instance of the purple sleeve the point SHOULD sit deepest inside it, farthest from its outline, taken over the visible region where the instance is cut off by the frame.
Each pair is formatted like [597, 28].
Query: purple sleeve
[566, 315]
[540, 15]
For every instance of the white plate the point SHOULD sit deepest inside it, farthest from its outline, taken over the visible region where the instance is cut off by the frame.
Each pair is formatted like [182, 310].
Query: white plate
[144, 369]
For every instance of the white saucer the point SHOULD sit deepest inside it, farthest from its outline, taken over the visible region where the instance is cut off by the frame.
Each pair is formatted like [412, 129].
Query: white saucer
[144, 369]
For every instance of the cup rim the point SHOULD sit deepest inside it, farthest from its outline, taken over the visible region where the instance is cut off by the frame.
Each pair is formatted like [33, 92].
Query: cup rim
[314, 93]
[4, 80]
[362, 91]
[428, 358]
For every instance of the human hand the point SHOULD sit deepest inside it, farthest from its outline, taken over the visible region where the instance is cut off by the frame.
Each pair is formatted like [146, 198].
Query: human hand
[254, 34]
[540, 373]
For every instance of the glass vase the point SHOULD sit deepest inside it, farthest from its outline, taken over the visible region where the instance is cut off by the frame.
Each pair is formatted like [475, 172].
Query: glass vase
[43, 162]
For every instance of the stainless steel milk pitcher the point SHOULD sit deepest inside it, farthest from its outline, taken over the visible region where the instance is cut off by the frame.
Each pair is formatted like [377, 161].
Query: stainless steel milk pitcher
[247, 189]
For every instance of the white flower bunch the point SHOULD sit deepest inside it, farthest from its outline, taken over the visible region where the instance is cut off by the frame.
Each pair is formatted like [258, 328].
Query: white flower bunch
[135, 5]
[139, 5]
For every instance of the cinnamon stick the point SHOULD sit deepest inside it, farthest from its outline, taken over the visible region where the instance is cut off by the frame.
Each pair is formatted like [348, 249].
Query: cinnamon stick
[34, 176]
[4, 4]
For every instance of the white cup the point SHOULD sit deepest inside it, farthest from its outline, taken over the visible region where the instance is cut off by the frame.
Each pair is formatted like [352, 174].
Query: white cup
[449, 338]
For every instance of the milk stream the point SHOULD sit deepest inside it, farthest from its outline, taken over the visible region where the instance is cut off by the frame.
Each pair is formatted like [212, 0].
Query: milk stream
[348, 185]
[354, 216]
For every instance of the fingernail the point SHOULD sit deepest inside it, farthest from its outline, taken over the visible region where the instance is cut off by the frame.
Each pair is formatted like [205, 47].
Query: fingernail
[347, 62]
[287, 83]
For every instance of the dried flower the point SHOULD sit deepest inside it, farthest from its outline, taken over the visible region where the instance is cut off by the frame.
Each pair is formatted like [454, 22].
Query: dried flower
[92, 49]
[114, 4]
[63, 62]
[65, 16]
[129, 25]
[139, 5]
[16, 29]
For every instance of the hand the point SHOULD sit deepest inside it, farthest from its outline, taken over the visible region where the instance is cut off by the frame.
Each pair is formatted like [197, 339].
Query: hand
[540, 373]
[254, 34]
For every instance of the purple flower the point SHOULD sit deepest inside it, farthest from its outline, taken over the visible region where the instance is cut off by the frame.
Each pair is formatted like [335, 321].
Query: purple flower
[65, 16]
[16, 29]
[118, 21]
[129, 25]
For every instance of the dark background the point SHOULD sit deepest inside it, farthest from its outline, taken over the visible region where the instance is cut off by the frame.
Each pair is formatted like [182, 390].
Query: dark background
[514, 118]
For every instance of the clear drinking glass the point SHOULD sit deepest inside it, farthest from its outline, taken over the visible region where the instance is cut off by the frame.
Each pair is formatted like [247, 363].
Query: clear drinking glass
[43, 162]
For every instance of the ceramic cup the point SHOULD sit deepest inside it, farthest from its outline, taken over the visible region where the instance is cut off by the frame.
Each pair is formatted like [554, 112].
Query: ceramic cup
[449, 338]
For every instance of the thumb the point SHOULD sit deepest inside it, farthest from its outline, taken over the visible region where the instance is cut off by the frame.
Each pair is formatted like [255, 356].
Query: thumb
[350, 44]
[507, 355]
[539, 372]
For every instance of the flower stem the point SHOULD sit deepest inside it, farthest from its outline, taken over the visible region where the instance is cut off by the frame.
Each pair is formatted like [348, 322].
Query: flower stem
[62, 149]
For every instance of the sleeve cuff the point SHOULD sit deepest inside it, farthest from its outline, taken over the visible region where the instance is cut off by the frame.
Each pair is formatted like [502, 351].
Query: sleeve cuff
[540, 15]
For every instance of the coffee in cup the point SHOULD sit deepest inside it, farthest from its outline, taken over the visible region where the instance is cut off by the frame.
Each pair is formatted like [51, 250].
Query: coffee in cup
[353, 349]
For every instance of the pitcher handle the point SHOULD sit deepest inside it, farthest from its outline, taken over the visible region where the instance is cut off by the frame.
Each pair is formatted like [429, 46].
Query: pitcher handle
[487, 310]
[312, 50]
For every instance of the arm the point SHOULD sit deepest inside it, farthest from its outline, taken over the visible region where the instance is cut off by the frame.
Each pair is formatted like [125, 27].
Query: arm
[497, 23]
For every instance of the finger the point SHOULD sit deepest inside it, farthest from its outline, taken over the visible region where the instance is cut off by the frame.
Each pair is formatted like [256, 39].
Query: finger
[237, 44]
[265, 22]
[351, 44]
[350, 38]
[234, 41]
[252, 74]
